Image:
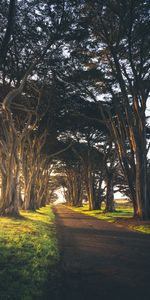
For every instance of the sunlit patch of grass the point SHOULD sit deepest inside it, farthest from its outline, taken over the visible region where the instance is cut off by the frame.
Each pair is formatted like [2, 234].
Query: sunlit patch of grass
[28, 253]
[110, 217]
[142, 228]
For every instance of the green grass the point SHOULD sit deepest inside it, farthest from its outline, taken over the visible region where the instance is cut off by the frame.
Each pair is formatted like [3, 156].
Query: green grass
[28, 254]
[121, 212]
[142, 228]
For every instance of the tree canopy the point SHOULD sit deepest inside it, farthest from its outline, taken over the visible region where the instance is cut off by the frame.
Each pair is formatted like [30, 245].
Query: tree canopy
[74, 88]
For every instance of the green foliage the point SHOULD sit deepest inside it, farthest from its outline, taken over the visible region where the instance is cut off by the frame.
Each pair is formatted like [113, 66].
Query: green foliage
[28, 254]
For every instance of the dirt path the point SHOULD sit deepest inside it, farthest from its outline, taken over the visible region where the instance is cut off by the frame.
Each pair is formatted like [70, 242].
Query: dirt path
[100, 260]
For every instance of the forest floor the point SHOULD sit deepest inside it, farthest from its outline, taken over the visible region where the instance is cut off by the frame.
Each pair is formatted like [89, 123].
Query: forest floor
[101, 260]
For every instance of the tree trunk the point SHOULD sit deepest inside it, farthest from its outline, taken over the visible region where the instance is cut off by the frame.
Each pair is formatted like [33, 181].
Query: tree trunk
[9, 196]
[29, 197]
[143, 203]
[110, 193]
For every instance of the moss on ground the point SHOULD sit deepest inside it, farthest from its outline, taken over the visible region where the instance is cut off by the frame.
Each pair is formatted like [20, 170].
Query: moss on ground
[28, 254]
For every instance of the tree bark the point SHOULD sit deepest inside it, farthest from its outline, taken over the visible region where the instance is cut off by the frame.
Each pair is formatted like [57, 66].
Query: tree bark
[110, 193]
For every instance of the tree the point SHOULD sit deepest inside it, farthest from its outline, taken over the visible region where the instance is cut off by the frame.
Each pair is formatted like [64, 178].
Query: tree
[29, 32]
[117, 50]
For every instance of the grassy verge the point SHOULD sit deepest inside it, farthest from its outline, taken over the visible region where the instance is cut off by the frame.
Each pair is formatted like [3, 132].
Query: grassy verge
[141, 228]
[110, 217]
[28, 254]
[123, 215]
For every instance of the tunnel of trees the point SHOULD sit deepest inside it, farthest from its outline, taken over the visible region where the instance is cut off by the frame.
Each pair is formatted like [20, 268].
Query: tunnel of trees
[74, 93]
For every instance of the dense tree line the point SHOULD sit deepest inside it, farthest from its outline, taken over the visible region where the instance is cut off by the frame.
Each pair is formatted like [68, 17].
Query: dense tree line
[74, 77]
[114, 63]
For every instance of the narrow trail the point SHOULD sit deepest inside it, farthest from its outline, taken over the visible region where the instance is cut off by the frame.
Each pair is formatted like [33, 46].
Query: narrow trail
[100, 260]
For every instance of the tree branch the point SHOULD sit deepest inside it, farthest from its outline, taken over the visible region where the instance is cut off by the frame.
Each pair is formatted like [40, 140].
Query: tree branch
[9, 30]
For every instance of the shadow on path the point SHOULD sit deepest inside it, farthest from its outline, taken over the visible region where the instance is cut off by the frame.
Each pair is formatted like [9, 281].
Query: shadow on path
[101, 260]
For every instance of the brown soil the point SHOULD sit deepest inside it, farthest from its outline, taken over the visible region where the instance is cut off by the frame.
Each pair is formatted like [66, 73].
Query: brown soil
[100, 260]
